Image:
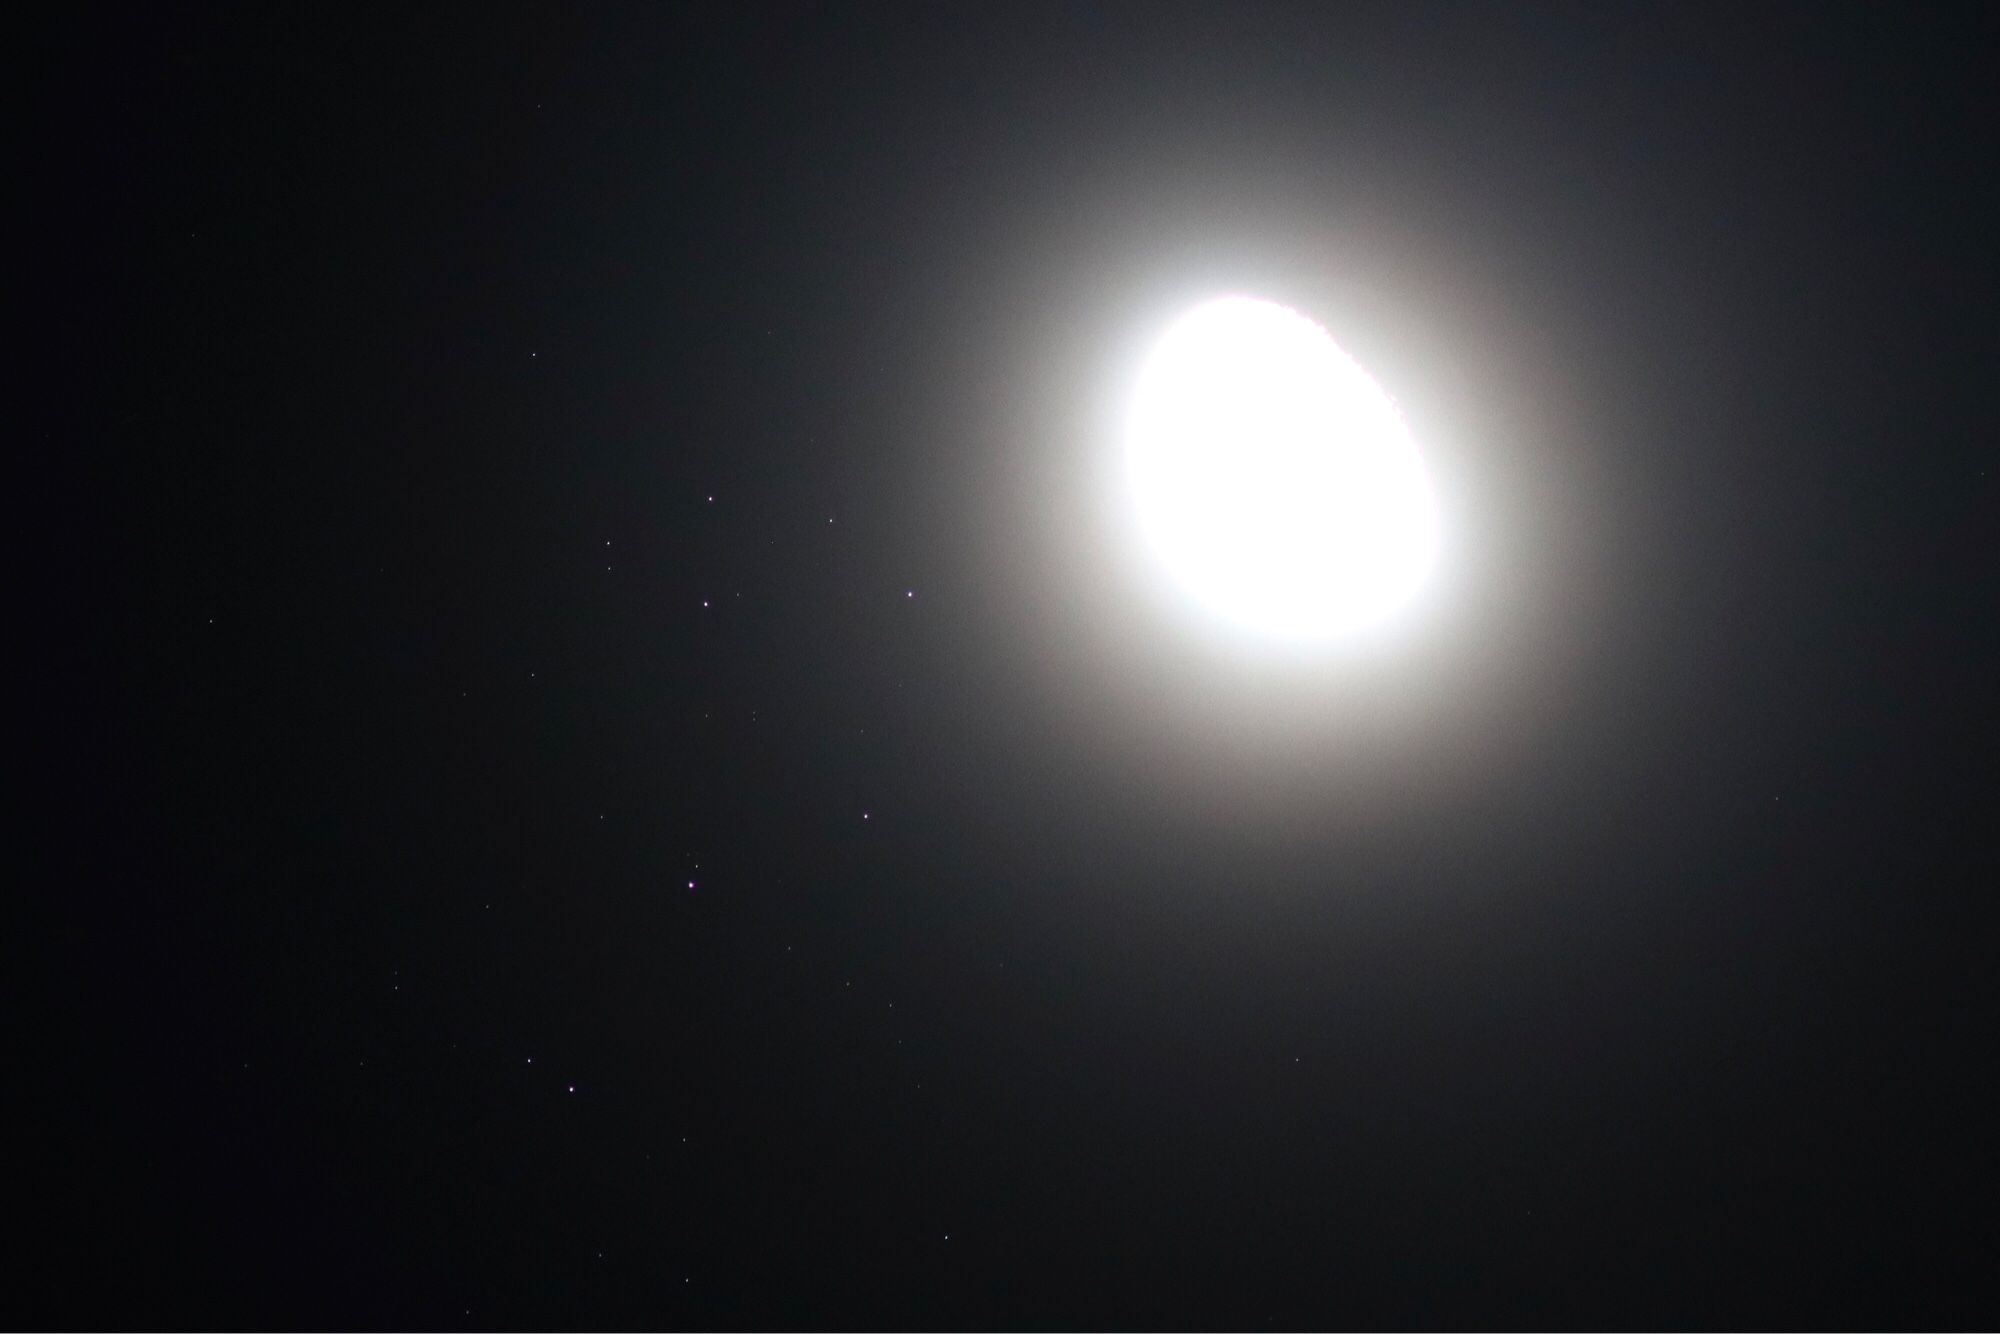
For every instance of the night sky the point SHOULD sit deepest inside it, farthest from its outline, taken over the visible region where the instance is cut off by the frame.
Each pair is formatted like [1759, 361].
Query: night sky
[609, 766]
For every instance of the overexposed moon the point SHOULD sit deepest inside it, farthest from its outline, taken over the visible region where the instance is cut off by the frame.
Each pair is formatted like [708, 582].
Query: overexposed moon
[1273, 479]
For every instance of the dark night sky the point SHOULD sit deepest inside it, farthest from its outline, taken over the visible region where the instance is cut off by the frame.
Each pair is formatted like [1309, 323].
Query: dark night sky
[522, 462]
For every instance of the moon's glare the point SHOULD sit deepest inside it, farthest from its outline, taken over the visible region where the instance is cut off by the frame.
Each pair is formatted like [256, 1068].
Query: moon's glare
[1273, 477]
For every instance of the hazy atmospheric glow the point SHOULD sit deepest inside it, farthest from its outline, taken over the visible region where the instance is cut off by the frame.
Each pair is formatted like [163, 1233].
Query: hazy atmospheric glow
[1273, 478]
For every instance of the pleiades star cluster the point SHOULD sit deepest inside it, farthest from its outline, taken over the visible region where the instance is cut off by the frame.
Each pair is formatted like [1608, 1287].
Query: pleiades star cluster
[608, 748]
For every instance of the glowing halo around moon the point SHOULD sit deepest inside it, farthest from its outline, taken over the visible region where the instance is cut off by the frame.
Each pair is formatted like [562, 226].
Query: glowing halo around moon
[1273, 478]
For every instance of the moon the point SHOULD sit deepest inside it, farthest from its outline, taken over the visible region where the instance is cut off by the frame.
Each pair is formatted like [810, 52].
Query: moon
[1274, 481]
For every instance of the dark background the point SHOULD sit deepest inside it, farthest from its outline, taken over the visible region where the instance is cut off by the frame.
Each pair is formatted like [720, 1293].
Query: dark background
[1612, 949]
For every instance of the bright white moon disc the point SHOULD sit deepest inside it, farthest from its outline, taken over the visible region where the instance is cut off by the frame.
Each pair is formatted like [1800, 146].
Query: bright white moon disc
[1273, 478]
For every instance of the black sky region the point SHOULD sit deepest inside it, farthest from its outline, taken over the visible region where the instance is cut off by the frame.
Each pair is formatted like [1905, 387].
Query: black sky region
[607, 766]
